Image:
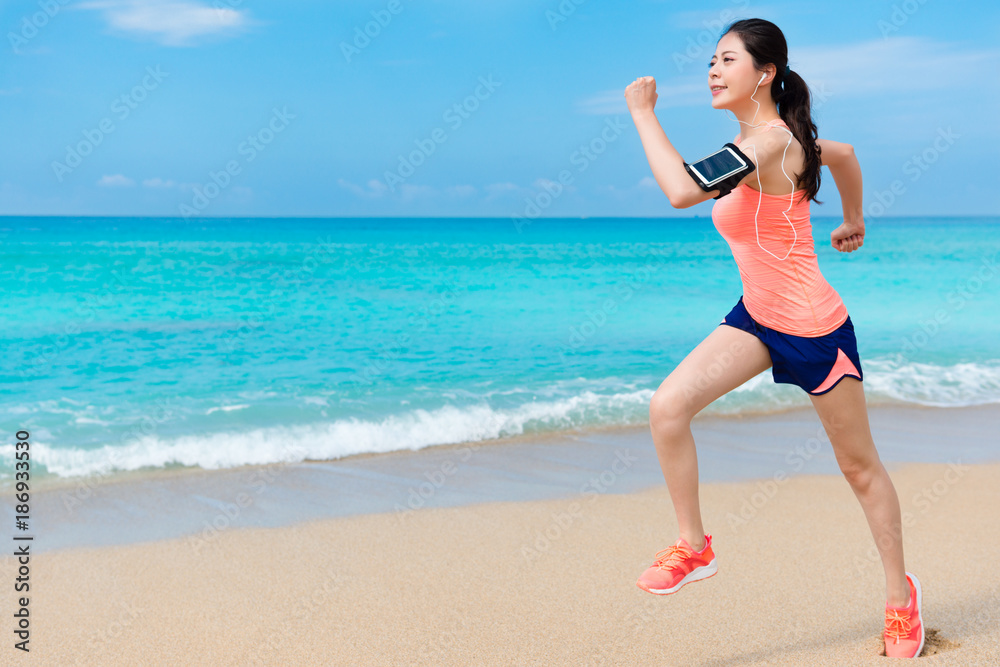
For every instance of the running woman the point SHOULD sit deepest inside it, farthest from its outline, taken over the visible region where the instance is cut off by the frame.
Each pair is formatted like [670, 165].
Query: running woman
[789, 318]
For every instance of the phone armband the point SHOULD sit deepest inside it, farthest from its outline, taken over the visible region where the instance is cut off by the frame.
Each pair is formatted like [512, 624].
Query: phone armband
[722, 170]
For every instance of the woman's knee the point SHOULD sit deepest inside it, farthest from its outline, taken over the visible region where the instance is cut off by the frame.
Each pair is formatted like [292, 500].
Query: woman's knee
[668, 409]
[860, 471]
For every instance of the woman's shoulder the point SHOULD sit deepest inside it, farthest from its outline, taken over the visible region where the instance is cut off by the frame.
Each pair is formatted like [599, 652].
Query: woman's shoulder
[779, 153]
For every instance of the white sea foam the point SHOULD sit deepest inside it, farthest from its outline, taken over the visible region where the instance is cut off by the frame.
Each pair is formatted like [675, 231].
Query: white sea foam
[227, 408]
[557, 407]
[971, 383]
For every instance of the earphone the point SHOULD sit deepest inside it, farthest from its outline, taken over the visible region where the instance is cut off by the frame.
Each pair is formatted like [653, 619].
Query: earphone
[760, 199]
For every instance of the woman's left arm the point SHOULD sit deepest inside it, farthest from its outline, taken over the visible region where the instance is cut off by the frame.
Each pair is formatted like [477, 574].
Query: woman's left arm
[666, 163]
[846, 171]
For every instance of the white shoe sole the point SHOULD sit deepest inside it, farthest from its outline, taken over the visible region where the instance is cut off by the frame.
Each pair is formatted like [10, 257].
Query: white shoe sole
[697, 574]
[920, 610]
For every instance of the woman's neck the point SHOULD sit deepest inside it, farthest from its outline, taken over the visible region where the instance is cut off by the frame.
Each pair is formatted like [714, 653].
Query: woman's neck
[753, 119]
[755, 128]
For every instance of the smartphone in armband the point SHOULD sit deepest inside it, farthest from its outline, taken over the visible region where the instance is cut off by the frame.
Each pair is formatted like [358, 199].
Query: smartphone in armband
[722, 170]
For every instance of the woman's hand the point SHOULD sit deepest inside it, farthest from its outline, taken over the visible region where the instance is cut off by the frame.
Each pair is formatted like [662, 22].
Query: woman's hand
[641, 94]
[849, 236]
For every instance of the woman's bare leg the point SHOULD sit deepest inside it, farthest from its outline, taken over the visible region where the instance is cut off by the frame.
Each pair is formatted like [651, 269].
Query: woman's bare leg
[726, 359]
[845, 417]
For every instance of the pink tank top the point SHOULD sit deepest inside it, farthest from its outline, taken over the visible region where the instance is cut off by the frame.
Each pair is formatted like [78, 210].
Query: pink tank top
[782, 289]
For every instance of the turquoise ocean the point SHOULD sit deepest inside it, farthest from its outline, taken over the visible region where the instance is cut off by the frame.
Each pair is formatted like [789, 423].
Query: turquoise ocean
[156, 343]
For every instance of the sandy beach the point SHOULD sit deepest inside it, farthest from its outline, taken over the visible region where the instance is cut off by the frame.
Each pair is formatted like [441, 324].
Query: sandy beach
[546, 581]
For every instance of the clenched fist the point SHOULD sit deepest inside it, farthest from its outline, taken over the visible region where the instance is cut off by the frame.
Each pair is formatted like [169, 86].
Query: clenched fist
[641, 94]
[848, 237]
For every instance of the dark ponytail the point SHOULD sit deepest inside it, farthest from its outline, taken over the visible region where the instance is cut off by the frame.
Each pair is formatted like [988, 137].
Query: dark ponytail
[766, 44]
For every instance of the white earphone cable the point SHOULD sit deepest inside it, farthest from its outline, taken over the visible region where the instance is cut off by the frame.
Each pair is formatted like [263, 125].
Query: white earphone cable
[760, 187]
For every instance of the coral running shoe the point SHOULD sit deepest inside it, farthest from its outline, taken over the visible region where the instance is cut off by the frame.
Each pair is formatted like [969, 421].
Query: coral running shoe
[678, 565]
[904, 629]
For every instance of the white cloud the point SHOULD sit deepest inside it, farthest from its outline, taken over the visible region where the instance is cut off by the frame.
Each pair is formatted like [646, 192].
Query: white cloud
[461, 190]
[411, 192]
[115, 181]
[643, 185]
[612, 102]
[551, 186]
[407, 192]
[495, 190]
[376, 188]
[158, 183]
[170, 22]
[705, 26]
[713, 22]
[241, 194]
[646, 189]
[38, 51]
[893, 66]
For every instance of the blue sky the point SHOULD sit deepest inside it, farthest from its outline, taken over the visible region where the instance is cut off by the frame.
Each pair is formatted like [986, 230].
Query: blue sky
[452, 108]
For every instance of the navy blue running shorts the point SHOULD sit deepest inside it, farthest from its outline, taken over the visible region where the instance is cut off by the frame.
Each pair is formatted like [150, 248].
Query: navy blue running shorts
[815, 364]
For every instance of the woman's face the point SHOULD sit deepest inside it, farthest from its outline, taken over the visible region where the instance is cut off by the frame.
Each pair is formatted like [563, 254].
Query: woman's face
[731, 68]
